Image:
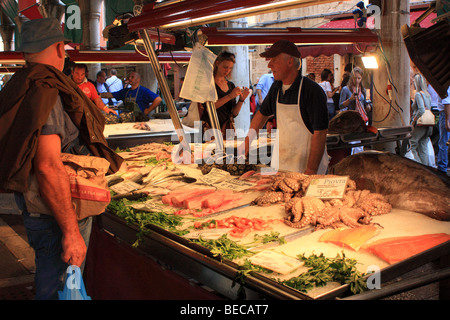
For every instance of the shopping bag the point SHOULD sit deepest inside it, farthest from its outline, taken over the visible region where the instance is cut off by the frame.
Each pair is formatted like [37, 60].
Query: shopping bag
[88, 186]
[427, 119]
[73, 285]
[198, 84]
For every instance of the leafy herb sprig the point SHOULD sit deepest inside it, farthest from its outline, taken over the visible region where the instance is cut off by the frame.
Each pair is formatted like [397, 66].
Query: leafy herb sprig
[143, 219]
[322, 270]
[224, 247]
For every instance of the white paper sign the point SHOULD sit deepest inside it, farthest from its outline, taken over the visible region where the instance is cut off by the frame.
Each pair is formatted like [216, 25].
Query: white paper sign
[276, 261]
[199, 82]
[215, 176]
[125, 187]
[234, 184]
[327, 188]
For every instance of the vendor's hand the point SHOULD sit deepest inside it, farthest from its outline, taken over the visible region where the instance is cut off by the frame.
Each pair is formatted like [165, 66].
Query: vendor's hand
[235, 92]
[353, 97]
[245, 93]
[108, 110]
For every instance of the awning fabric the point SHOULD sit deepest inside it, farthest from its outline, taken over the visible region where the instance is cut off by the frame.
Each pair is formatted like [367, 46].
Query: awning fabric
[327, 50]
[350, 23]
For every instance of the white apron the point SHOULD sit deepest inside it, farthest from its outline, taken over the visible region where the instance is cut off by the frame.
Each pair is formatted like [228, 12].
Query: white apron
[293, 152]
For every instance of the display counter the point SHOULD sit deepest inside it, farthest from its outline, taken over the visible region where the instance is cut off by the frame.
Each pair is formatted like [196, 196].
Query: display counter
[124, 262]
[124, 135]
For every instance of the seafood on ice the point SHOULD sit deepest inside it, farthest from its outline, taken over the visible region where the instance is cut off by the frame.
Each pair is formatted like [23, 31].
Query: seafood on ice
[355, 209]
[405, 184]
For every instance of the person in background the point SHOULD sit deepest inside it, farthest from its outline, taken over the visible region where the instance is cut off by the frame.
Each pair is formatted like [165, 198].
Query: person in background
[79, 77]
[114, 83]
[347, 71]
[312, 76]
[139, 99]
[326, 80]
[420, 134]
[227, 107]
[300, 107]
[262, 88]
[444, 135]
[446, 121]
[46, 118]
[353, 95]
[101, 86]
[346, 75]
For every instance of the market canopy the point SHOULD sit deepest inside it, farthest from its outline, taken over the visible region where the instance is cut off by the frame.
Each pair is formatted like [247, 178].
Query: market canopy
[355, 49]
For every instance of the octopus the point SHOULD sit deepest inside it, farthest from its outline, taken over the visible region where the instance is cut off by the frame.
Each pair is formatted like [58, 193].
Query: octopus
[304, 211]
[356, 208]
[268, 198]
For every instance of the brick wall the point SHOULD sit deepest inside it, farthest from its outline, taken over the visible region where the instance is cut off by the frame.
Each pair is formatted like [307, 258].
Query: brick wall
[317, 64]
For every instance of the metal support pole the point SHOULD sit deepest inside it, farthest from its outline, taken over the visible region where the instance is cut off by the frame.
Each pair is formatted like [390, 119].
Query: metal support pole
[211, 109]
[165, 90]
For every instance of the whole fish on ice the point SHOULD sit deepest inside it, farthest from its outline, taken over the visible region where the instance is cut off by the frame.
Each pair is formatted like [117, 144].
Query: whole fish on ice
[405, 183]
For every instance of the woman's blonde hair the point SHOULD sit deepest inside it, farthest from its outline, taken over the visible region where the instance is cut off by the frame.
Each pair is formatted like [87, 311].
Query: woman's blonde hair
[352, 81]
[420, 84]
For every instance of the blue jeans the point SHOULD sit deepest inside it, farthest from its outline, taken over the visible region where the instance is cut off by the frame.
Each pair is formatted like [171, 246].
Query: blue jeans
[442, 156]
[44, 236]
[331, 110]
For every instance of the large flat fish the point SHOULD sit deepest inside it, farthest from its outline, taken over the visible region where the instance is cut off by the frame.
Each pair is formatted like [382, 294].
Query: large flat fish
[405, 183]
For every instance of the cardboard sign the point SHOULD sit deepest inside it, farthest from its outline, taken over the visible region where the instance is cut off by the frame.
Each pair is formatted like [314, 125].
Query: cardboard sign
[327, 188]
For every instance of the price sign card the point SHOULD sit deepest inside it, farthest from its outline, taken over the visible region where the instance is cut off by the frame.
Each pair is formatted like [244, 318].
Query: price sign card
[125, 187]
[215, 176]
[234, 184]
[275, 261]
[327, 188]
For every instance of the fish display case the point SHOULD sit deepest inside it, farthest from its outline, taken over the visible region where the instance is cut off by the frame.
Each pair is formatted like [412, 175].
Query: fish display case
[124, 262]
[196, 264]
[125, 135]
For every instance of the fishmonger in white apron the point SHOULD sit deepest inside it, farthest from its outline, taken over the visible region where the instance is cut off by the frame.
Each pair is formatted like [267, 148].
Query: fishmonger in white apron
[292, 153]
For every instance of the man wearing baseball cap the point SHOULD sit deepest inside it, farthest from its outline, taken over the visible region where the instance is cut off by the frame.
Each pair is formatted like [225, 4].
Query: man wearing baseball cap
[43, 114]
[300, 108]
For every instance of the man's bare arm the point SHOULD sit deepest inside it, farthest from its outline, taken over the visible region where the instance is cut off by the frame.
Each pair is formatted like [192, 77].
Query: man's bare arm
[54, 187]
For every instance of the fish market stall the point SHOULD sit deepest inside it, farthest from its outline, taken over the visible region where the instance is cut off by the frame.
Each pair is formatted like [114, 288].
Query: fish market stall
[175, 231]
[129, 134]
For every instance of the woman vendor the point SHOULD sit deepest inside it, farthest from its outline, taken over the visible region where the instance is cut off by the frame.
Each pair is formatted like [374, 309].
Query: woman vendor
[227, 107]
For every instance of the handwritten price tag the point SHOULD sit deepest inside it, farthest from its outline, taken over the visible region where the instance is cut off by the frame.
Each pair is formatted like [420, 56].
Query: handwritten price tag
[327, 188]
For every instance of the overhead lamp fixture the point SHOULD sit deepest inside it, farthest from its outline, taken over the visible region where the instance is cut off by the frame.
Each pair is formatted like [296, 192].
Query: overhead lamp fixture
[370, 62]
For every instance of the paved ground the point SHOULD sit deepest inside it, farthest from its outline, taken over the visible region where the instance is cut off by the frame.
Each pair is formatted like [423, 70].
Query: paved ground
[16, 260]
[17, 266]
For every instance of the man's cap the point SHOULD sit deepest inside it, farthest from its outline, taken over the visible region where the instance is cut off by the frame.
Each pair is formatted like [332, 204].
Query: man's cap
[281, 46]
[39, 34]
